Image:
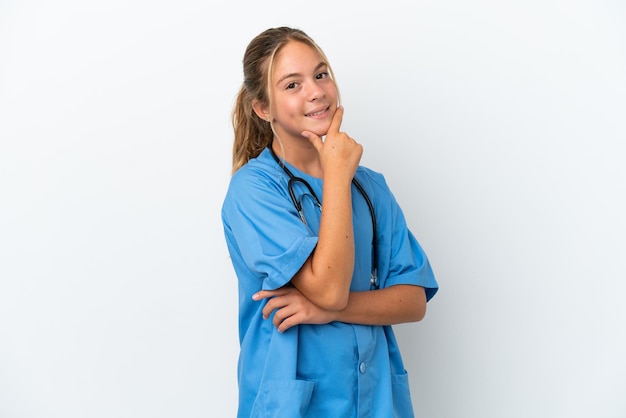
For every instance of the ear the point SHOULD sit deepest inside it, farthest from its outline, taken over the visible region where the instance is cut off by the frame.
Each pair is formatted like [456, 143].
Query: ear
[261, 110]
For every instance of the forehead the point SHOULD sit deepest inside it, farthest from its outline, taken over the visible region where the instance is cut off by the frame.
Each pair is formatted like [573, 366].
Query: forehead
[294, 58]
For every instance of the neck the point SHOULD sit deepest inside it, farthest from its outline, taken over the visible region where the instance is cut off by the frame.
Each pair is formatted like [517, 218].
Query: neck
[302, 156]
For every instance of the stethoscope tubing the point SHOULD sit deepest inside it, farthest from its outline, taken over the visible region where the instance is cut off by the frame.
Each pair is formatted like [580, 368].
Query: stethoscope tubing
[374, 284]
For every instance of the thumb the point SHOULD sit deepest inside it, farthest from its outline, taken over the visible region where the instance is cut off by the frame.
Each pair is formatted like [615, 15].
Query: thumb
[314, 139]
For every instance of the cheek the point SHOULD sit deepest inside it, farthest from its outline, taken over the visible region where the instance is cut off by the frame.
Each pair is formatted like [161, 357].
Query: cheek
[332, 92]
[292, 107]
[286, 108]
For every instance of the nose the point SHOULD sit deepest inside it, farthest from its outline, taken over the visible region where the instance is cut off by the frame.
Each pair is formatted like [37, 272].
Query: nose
[315, 91]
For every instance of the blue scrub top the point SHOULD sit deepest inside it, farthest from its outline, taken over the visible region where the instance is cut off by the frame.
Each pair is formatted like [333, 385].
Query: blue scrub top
[331, 370]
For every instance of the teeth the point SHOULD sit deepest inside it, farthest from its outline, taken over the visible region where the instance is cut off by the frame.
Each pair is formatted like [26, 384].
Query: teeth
[316, 113]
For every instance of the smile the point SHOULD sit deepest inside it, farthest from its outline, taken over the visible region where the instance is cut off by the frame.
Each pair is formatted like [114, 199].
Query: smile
[317, 113]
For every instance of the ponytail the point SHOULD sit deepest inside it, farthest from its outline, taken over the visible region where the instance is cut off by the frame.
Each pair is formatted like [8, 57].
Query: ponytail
[252, 134]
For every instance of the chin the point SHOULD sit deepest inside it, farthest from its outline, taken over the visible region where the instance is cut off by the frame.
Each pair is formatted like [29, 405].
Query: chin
[321, 131]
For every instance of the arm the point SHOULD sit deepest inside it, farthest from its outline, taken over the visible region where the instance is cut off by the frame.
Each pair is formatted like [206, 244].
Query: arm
[389, 306]
[325, 276]
[392, 305]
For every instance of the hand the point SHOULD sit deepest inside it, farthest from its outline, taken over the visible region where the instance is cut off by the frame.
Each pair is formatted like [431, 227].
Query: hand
[339, 153]
[292, 308]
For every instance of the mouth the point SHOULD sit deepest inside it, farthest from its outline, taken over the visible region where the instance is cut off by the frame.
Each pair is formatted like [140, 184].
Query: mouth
[317, 112]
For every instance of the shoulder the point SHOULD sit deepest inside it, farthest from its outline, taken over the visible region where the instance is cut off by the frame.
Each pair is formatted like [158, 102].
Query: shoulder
[261, 172]
[258, 182]
[372, 180]
[378, 190]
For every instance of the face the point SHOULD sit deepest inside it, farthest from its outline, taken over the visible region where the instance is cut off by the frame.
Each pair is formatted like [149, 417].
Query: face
[304, 97]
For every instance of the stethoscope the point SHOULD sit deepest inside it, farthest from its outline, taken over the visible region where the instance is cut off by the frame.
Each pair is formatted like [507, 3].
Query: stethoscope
[298, 205]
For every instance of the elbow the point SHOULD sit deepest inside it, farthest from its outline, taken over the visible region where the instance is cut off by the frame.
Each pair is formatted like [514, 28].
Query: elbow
[414, 314]
[332, 297]
[326, 293]
[419, 312]
[416, 308]
[335, 301]
[328, 298]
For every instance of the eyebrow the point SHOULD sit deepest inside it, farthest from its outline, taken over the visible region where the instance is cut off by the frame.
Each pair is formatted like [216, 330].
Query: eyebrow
[320, 65]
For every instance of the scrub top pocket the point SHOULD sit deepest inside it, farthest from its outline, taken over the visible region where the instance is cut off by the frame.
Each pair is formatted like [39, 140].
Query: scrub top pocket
[283, 398]
[402, 405]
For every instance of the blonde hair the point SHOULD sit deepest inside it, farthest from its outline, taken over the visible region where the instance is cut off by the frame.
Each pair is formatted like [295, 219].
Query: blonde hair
[253, 134]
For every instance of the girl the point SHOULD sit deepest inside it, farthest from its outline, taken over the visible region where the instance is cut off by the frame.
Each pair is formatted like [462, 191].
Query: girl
[324, 259]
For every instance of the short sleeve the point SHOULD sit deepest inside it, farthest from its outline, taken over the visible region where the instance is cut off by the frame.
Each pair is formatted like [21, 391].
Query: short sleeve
[405, 261]
[266, 238]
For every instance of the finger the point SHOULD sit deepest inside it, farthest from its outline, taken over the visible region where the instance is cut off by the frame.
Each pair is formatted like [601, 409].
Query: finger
[287, 323]
[335, 124]
[279, 301]
[264, 294]
[272, 305]
[267, 311]
[314, 138]
[282, 315]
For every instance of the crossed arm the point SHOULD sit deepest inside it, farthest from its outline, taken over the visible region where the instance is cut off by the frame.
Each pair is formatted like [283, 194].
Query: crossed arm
[326, 275]
[388, 306]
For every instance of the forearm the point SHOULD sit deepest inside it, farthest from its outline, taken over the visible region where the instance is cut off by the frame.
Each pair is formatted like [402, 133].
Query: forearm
[325, 278]
[392, 305]
[326, 275]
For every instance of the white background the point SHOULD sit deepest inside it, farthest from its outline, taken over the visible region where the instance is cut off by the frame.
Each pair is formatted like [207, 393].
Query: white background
[499, 126]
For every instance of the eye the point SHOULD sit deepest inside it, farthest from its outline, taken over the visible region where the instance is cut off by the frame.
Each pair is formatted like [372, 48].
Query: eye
[291, 85]
[322, 75]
